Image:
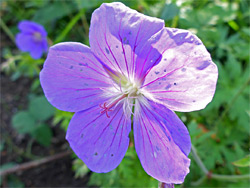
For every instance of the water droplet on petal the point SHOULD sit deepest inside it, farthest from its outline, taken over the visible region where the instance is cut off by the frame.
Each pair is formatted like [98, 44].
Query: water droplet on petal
[155, 154]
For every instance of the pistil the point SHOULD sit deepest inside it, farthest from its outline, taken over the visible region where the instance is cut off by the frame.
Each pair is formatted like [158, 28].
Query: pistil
[107, 108]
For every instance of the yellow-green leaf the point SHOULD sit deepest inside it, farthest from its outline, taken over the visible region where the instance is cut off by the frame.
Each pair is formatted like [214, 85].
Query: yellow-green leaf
[244, 162]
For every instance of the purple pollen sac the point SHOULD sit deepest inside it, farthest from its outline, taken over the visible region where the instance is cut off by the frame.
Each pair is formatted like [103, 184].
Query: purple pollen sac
[135, 66]
[32, 38]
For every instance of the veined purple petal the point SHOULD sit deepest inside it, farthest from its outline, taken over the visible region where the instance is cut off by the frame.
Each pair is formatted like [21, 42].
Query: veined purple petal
[73, 79]
[117, 33]
[99, 141]
[185, 78]
[170, 122]
[161, 150]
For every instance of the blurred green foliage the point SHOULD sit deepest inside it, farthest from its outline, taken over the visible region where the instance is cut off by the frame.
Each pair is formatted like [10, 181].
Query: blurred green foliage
[220, 132]
[32, 120]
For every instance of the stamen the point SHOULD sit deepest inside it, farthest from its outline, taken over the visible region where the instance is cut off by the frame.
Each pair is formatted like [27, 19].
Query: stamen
[120, 85]
[130, 106]
[129, 92]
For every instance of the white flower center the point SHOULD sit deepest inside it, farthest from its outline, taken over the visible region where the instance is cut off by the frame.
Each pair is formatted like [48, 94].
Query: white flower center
[126, 94]
[37, 36]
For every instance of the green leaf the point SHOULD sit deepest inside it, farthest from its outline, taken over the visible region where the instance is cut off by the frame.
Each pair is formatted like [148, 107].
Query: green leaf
[245, 162]
[43, 134]
[51, 11]
[23, 122]
[80, 168]
[14, 181]
[35, 84]
[88, 4]
[40, 108]
[239, 112]
[5, 167]
[170, 11]
[233, 25]
[63, 118]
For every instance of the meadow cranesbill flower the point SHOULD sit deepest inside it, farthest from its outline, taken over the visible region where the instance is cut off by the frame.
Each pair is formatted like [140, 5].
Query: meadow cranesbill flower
[32, 38]
[134, 66]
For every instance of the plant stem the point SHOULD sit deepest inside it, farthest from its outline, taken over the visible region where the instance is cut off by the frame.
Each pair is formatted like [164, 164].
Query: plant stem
[16, 149]
[85, 25]
[199, 181]
[230, 177]
[216, 176]
[70, 25]
[7, 31]
[198, 160]
[33, 164]
[165, 185]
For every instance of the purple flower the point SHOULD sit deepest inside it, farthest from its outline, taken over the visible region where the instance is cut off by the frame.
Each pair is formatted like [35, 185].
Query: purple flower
[32, 39]
[138, 67]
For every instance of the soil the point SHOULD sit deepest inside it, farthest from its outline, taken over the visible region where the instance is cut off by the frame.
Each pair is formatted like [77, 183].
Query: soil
[58, 173]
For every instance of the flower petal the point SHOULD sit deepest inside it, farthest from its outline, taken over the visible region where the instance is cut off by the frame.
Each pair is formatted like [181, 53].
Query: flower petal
[99, 141]
[24, 42]
[185, 78]
[37, 51]
[162, 142]
[29, 27]
[117, 33]
[73, 79]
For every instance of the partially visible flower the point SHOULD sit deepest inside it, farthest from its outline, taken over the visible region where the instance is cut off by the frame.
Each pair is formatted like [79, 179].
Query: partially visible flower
[134, 66]
[32, 38]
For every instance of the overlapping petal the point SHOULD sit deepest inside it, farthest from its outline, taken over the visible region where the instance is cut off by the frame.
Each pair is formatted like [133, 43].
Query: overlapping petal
[170, 70]
[117, 34]
[32, 38]
[38, 50]
[24, 42]
[29, 27]
[185, 77]
[73, 79]
[99, 141]
[162, 142]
